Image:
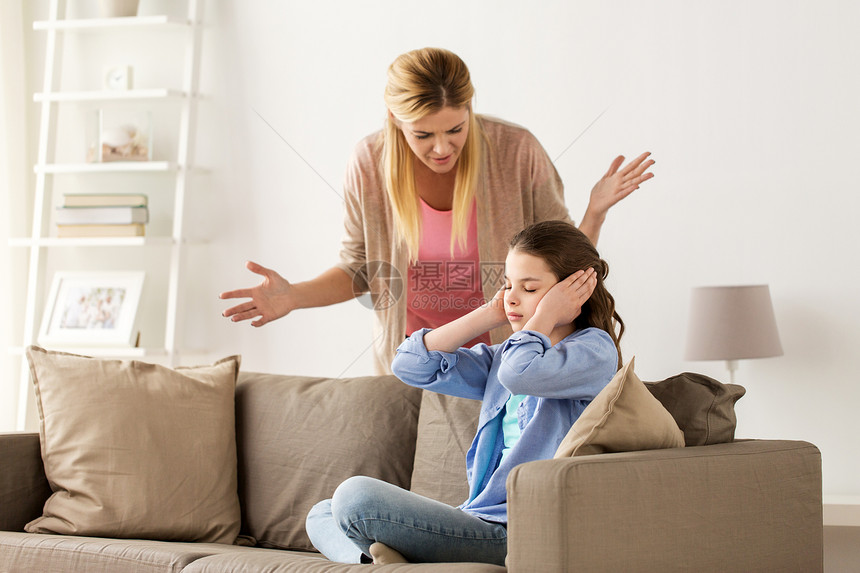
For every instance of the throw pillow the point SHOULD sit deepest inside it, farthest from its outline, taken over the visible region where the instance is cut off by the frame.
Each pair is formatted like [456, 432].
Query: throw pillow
[623, 417]
[703, 408]
[300, 437]
[136, 450]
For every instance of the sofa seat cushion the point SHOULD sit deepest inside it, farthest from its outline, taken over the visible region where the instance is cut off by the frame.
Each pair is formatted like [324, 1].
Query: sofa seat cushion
[276, 561]
[299, 437]
[29, 552]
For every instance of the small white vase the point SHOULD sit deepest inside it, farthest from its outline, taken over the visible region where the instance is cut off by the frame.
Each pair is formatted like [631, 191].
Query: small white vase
[118, 8]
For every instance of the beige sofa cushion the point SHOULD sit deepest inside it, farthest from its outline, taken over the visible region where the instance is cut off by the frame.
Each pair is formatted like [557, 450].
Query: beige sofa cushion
[28, 553]
[446, 428]
[623, 417]
[703, 407]
[300, 437]
[135, 450]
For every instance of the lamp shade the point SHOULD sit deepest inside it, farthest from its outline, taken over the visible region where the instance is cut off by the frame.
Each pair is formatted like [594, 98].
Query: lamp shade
[731, 323]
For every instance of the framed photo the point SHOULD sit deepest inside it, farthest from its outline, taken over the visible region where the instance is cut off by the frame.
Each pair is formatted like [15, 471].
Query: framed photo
[92, 309]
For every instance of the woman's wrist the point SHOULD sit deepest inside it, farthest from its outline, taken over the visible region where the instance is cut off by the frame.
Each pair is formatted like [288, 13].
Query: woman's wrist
[331, 287]
[592, 222]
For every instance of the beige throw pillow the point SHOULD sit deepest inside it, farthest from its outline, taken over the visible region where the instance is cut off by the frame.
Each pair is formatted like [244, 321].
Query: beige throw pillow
[136, 450]
[623, 417]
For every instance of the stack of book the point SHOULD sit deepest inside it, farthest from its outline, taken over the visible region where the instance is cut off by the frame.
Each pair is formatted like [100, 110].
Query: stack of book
[102, 215]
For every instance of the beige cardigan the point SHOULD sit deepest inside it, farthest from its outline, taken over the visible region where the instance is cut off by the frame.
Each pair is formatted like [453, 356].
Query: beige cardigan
[518, 186]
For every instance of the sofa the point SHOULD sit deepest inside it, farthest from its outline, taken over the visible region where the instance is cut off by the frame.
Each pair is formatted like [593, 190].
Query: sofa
[716, 504]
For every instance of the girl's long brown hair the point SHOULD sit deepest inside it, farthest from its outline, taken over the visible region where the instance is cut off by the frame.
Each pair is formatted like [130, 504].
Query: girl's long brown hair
[567, 250]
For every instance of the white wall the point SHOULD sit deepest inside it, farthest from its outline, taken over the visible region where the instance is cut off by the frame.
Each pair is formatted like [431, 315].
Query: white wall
[13, 178]
[749, 109]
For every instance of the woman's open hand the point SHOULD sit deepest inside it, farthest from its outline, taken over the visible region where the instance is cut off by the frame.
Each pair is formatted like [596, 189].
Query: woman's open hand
[617, 184]
[270, 300]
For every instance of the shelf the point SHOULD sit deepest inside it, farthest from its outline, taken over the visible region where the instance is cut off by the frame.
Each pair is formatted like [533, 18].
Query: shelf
[101, 352]
[104, 23]
[112, 167]
[108, 95]
[125, 174]
[91, 242]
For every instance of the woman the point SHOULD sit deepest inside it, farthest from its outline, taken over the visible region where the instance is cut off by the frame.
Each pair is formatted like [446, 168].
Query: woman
[431, 203]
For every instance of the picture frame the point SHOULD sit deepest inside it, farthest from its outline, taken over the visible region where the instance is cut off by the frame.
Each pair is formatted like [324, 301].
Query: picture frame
[92, 309]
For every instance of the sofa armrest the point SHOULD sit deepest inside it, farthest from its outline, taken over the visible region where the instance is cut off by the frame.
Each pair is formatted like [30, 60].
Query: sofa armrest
[23, 485]
[742, 506]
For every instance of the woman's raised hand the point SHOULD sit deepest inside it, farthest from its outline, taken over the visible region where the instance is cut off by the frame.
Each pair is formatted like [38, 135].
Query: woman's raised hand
[563, 302]
[270, 300]
[617, 183]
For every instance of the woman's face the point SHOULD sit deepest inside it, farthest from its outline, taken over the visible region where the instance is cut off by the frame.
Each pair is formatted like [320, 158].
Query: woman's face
[527, 280]
[437, 139]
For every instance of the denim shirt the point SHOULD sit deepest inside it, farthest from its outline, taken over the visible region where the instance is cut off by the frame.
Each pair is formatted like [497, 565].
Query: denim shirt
[559, 382]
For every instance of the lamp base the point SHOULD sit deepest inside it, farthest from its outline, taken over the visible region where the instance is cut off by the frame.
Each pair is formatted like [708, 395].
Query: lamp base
[732, 365]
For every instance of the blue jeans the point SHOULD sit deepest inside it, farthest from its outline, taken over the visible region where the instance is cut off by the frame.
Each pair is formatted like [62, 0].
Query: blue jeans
[365, 510]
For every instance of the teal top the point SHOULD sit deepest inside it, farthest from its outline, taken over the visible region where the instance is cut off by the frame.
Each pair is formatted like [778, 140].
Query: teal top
[511, 424]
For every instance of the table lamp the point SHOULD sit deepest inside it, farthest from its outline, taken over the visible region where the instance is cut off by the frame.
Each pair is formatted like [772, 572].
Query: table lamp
[731, 323]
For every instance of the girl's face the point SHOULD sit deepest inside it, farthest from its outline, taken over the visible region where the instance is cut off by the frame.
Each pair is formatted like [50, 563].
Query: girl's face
[437, 139]
[527, 280]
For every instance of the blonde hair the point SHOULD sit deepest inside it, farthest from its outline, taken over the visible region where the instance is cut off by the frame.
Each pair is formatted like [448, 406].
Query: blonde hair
[420, 83]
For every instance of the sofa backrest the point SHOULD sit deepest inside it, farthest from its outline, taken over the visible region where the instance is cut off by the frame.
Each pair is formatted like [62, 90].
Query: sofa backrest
[299, 437]
[446, 427]
[702, 407]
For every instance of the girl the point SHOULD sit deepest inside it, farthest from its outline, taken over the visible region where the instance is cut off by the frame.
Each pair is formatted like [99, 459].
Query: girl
[438, 184]
[533, 387]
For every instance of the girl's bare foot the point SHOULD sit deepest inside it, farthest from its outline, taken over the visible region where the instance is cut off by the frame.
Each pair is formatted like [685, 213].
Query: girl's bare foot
[383, 554]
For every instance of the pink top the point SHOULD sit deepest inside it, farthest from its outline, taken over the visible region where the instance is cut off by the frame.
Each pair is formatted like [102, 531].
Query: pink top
[443, 288]
[518, 186]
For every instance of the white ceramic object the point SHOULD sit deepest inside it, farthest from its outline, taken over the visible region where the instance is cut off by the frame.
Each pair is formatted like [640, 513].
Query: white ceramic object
[118, 8]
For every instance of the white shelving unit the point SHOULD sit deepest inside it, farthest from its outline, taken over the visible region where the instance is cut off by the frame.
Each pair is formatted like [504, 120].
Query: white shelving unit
[114, 167]
[94, 23]
[105, 96]
[50, 97]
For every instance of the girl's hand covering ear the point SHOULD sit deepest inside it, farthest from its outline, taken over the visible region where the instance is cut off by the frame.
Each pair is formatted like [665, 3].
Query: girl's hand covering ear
[563, 302]
[495, 309]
